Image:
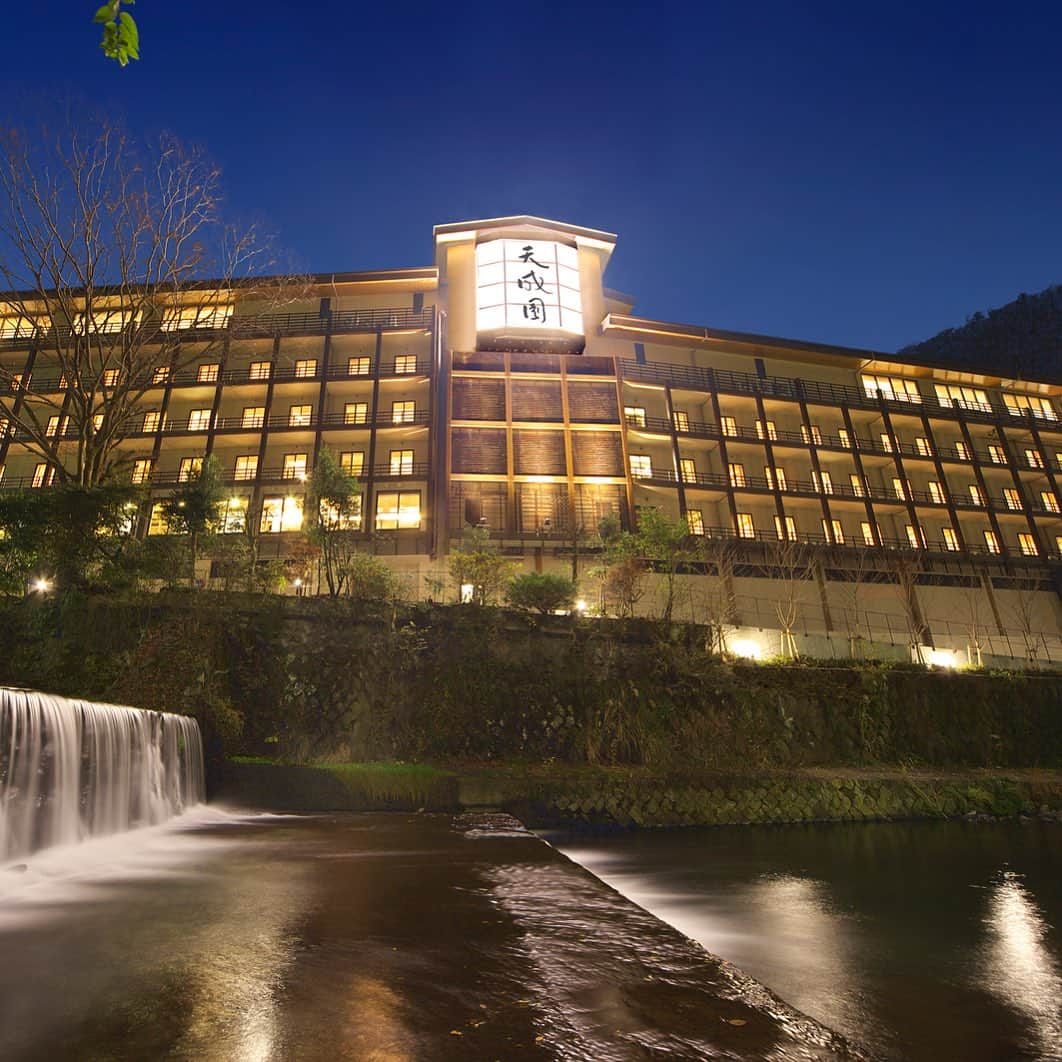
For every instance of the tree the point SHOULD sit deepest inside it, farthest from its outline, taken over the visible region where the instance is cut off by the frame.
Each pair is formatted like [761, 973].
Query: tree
[332, 516]
[194, 507]
[789, 567]
[478, 565]
[720, 555]
[121, 38]
[540, 592]
[905, 568]
[665, 543]
[622, 573]
[369, 579]
[113, 256]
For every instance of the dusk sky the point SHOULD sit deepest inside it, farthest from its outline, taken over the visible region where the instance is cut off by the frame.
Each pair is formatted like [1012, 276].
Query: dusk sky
[847, 173]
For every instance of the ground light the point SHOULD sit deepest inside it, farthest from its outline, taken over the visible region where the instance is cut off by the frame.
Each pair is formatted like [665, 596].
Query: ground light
[747, 648]
[42, 586]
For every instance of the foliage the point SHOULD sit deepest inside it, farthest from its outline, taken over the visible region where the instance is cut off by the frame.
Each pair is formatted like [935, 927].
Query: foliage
[477, 563]
[540, 592]
[331, 515]
[369, 579]
[121, 38]
[666, 544]
[194, 507]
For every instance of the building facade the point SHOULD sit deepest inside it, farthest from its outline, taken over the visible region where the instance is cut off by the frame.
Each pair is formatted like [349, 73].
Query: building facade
[506, 387]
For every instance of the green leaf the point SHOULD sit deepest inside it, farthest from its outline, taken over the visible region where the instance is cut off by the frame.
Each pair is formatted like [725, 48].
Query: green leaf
[128, 35]
[106, 13]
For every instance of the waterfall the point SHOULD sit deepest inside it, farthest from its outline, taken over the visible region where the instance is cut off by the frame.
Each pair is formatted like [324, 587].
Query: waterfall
[71, 770]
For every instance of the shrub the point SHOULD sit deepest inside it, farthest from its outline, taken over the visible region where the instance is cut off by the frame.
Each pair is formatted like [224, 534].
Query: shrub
[541, 592]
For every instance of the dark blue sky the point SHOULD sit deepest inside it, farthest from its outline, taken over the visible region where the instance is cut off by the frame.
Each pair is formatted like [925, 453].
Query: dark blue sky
[863, 174]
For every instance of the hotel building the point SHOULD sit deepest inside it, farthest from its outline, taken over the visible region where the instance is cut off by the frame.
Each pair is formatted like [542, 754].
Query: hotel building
[506, 387]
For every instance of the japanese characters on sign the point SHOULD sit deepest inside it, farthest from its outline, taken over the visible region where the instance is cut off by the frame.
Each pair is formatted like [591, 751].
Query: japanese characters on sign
[528, 284]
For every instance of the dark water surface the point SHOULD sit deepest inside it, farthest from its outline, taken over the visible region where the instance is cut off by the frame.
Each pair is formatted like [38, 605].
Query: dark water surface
[935, 941]
[378, 938]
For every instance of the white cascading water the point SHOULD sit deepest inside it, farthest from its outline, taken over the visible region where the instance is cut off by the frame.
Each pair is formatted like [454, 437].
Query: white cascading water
[71, 770]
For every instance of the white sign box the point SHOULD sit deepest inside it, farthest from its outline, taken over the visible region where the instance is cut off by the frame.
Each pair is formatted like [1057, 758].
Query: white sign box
[528, 284]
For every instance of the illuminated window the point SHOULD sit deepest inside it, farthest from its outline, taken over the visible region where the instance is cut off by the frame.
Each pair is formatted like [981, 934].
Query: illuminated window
[786, 530]
[246, 467]
[833, 532]
[53, 426]
[109, 377]
[182, 318]
[97, 421]
[1027, 544]
[682, 420]
[260, 370]
[343, 521]
[43, 476]
[894, 388]
[19, 381]
[958, 397]
[397, 510]
[728, 426]
[688, 470]
[199, 420]
[208, 373]
[923, 447]
[61, 385]
[775, 478]
[915, 538]
[234, 516]
[294, 466]
[401, 463]
[142, 470]
[190, 469]
[1050, 502]
[695, 521]
[951, 540]
[991, 542]
[157, 525]
[868, 534]
[962, 451]
[405, 364]
[358, 366]
[977, 496]
[355, 412]
[161, 374]
[634, 416]
[844, 438]
[745, 527]
[936, 493]
[737, 474]
[1058, 544]
[857, 485]
[281, 514]
[898, 489]
[1012, 498]
[823, 482]
[811, 434]
[152, 421]
[300, 416]
[1033, 459]
[996, 454]
[766, 430]
[306, 367]
[1020, 405]
[253, 417]
[17, 327]
[886, 442]
[403, 412]
[352, 462]
[641, 466]
[104, 321]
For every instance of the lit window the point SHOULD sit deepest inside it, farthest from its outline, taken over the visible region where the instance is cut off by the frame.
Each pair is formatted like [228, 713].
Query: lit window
[294, 466]
[161, 374]
[104, 321]
[914, 536]
[306, 367]
[401, 463]
[737, 474]
[786, 530]
[695, 521]
[1012, 498]
[109, 377]
[352, 462]
[19, 381]
[342, 521]
[898, 489]
[868, 534]
[728, 425]
[355, 412]
[745, 527]
[833, 532]
[358, 366]
[1058, 544]
[253, 417]
[281, 514]
[641, 466]
[844, 438]
[157, 525]
[17, 327]
[857, 485]
[775, 478]
[190, 469]
[886, 442]
[397, 510]
[208, 373]
[260, 370]
[634, 416]
[1020, 405]
[958, 397]
[991, 542]
[894, 388]
[152, 421]
[1050, 502]
[687, 470]
[682, 421]
[97, 421]
[234, 516]
[182, 318]
[977, 496]
[142, 470]
[43, 476]
[823, 482]
[962, 451]
[300, 416]
[923, 447]
[996, 454]
[61, 385]
[54, 428]
[936, 493]
[405, 364]
[199, 420]
[246, 467]
[766, 430]
[1033, 459]
[1027, 544]
[951, 540]
[403, 412]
